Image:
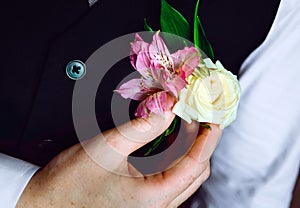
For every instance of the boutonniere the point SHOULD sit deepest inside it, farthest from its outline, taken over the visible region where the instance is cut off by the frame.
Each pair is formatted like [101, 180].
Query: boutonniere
[204, 91]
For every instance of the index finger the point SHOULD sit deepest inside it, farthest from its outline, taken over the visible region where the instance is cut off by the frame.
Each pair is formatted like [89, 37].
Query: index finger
[185, 172]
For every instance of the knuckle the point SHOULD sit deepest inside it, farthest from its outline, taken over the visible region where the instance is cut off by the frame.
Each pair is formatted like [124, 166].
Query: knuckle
[141, 124]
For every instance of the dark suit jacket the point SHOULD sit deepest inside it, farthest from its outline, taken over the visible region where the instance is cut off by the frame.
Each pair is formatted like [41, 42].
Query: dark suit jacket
[38, 39]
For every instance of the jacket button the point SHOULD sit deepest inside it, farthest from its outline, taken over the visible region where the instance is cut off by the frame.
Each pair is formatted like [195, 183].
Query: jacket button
[76, 69]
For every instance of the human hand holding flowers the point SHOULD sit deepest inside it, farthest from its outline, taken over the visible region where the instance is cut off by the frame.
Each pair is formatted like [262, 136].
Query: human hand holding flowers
[203, 91]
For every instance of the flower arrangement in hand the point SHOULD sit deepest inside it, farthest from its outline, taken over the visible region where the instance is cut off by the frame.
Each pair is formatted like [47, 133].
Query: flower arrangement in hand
[161, 72]
[203, 91]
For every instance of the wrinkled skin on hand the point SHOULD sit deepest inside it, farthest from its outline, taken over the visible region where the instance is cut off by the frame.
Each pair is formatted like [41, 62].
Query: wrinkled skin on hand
[74, 179]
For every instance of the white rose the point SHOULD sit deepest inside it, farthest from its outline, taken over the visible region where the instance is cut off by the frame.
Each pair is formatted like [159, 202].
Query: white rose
[212, 95]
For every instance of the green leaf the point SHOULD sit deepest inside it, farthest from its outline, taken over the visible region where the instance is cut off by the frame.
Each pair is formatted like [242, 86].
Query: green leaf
[171, 127]
[200, 39]
[156, 144]
[196, 26]
[146, 26]
[171, 21]
[159, 139]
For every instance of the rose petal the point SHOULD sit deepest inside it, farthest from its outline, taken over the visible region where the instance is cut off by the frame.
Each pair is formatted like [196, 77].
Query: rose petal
[179, 108]
[209, 64]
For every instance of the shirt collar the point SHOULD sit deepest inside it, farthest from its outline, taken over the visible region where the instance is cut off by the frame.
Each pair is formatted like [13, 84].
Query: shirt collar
[92, 2]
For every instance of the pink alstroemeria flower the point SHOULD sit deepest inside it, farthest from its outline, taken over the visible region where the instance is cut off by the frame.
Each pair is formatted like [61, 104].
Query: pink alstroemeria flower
[161, 72]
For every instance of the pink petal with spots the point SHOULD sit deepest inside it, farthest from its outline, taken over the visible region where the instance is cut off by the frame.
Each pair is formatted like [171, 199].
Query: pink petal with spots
[159, 53]
[156, 103]
[161, 72]
[136, 89]
[170, 82]
[143, 65]
[139, 56]
[186, 60]
[175, 85]
[138, 45]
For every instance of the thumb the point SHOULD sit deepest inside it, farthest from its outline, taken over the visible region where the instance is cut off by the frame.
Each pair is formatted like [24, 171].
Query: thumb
[136, 133]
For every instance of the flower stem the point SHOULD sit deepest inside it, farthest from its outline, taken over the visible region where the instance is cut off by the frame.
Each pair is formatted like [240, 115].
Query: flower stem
[163, 136]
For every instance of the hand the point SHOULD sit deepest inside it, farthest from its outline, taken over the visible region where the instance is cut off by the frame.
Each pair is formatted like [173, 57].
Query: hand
[74, 179]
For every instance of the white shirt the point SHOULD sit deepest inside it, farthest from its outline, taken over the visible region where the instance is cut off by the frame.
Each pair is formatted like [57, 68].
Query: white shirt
[256, 162]
[14, 176]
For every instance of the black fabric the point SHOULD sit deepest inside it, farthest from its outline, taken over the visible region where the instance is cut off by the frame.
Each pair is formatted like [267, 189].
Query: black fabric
[36, 94]
[28, 29]
[38, 39]
[234, 28]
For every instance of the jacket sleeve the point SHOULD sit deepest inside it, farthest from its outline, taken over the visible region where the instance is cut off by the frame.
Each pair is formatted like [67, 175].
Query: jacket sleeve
[14, 176]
